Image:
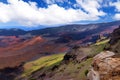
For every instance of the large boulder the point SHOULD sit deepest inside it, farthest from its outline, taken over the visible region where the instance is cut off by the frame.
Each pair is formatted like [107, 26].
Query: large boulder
[105, 66]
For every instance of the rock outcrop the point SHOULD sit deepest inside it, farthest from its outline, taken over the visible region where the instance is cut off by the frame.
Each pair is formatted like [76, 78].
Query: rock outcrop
[105, 66]
[75, 55]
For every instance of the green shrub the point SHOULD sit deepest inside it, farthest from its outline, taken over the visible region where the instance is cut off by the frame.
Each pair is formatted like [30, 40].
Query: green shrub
[86, 72]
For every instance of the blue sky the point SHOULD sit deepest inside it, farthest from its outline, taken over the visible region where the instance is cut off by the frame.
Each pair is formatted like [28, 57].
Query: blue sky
[31, 13]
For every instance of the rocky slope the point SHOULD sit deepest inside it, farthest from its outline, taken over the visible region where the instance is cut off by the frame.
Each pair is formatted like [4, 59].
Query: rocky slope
[73, 65]
[114, 44]
[106, 65]
[75, 55]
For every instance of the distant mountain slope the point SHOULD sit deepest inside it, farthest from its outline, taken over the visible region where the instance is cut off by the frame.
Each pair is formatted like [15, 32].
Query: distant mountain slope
[12, 32]
[75, 33]
[66, 29]
[76, 27]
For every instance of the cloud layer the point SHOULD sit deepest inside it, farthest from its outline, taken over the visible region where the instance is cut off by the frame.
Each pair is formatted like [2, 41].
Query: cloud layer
[117, 6]
[30, 14]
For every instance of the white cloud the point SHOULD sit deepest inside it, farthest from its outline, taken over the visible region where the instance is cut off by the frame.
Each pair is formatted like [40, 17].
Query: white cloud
[29, 14]
[54, 1]
[91, 6]
[117, 16]
[117, 7]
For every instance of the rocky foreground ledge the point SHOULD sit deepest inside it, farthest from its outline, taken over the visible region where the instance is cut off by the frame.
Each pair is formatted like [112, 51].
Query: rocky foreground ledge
[105, 66]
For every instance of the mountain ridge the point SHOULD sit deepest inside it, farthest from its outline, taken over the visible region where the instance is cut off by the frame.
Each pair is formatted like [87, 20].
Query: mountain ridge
[53, 28]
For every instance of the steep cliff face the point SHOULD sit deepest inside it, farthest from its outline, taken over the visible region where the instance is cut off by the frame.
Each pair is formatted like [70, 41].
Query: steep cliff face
[106, 65]
[114, 44]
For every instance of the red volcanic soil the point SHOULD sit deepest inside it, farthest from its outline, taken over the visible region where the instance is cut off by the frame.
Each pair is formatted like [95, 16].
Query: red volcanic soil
[14, 55]
[8, 40]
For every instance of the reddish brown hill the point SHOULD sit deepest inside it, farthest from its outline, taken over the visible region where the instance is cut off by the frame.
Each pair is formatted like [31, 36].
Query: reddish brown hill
[9, 40]
[14, 55]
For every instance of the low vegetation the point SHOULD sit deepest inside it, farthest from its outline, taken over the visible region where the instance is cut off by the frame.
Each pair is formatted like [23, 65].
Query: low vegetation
[102, 42]
[40, 63]
[97, 47]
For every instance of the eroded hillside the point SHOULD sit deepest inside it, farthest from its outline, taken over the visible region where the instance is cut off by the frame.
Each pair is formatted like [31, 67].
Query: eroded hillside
[72, 65]
[106, 65]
